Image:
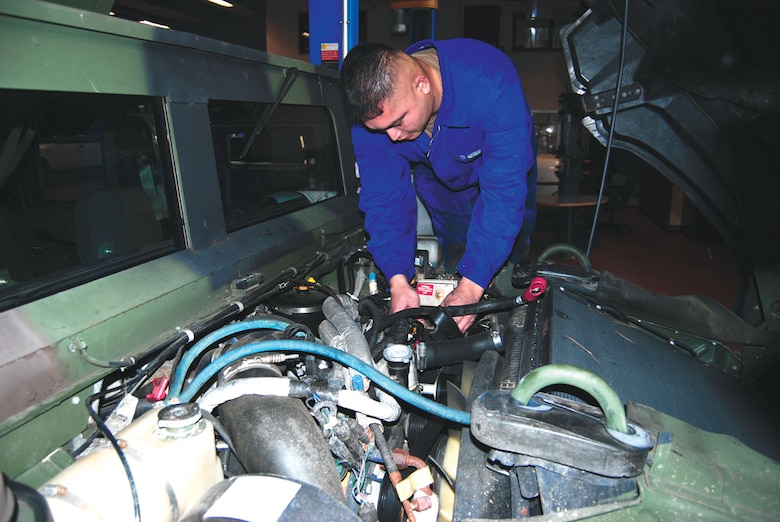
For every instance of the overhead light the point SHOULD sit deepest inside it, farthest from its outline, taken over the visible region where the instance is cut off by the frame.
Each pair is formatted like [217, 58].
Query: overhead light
[221, 3]
[153, 24]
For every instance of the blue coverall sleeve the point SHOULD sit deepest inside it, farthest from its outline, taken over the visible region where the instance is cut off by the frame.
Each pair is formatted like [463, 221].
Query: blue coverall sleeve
[388, 199]
[507, 156]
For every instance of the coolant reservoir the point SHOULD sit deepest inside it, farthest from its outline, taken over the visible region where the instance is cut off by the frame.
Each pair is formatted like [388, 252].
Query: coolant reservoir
[173, 460]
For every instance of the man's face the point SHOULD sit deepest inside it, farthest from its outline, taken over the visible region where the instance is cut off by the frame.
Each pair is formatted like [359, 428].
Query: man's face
[406, 113]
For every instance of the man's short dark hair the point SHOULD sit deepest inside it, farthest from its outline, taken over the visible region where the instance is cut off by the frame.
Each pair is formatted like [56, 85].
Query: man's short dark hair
[367, 75]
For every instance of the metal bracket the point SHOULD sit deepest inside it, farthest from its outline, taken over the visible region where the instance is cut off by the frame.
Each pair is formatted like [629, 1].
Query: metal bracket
[600, 101]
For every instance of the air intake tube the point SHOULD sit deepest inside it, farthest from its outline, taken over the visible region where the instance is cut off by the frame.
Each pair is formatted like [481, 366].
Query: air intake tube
[454, 351]
[277, 435]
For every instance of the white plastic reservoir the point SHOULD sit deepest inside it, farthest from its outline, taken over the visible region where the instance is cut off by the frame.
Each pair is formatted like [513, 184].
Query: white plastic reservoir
[173, 464]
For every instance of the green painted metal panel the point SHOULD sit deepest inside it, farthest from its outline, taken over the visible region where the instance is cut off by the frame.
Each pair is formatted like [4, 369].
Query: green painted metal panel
[56, 48]
[97, 6]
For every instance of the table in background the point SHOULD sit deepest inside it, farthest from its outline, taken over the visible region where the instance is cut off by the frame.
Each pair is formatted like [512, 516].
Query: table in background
[570, 203]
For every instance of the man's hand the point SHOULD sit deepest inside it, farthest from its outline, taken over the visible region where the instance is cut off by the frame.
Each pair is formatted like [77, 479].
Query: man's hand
[402, 296]
[467, 292]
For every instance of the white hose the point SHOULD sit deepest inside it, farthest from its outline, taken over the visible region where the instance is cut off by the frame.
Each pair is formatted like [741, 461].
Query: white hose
[276, 386]
[386, 409]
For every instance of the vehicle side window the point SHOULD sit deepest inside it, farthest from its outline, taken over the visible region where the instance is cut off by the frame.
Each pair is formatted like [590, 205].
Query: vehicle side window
[83, 187]
[290, 162]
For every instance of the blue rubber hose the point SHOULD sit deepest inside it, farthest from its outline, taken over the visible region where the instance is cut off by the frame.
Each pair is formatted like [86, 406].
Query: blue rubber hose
[216, 335]
[378, 378]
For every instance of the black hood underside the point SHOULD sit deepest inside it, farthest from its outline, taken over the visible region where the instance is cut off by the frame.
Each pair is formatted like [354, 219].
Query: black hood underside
[699, 102]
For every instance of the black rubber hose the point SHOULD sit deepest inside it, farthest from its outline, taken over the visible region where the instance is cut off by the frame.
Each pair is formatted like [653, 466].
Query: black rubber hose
[387, 321]
[480, 307]
[8, 506]
[360, 254]
[120, 453]
[489, 305]
[454, 351]
[318, 260]
[224, 435]
[277, 435]
[30, 497]
[342, 283]
[384, 449]
[390, 467]
[397, 333]
[368, 304]
[334, 261]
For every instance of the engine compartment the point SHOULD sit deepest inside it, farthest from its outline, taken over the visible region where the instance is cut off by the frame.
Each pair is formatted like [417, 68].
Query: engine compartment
[314, 400]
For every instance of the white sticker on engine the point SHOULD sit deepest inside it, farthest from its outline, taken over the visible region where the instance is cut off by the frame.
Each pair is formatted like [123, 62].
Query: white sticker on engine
[254, 499]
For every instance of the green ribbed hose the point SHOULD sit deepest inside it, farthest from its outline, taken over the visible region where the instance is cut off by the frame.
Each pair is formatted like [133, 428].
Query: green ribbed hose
[566, 248]
[585, 380]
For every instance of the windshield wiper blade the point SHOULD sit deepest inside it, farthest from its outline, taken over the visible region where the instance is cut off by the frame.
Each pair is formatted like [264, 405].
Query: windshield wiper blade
[292, 74]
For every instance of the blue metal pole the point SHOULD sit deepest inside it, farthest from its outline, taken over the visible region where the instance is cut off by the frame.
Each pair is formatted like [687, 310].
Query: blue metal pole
[333, 31]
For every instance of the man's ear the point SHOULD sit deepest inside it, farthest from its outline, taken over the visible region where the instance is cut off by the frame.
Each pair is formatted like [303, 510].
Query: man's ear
[422, 84]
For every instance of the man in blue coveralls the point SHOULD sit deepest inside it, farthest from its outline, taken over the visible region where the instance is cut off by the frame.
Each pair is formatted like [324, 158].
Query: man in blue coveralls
[456, 112]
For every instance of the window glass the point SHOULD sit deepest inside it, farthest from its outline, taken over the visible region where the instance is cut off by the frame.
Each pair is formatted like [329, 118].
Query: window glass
[547, 128]
[536, 33]
[83, 187]
[273, 168]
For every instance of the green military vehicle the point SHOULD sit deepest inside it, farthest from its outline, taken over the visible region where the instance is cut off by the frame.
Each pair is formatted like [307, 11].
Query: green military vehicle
[190, 329]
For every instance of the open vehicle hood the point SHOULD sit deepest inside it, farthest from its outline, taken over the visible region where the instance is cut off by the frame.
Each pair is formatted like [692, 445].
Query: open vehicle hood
[698, 103]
